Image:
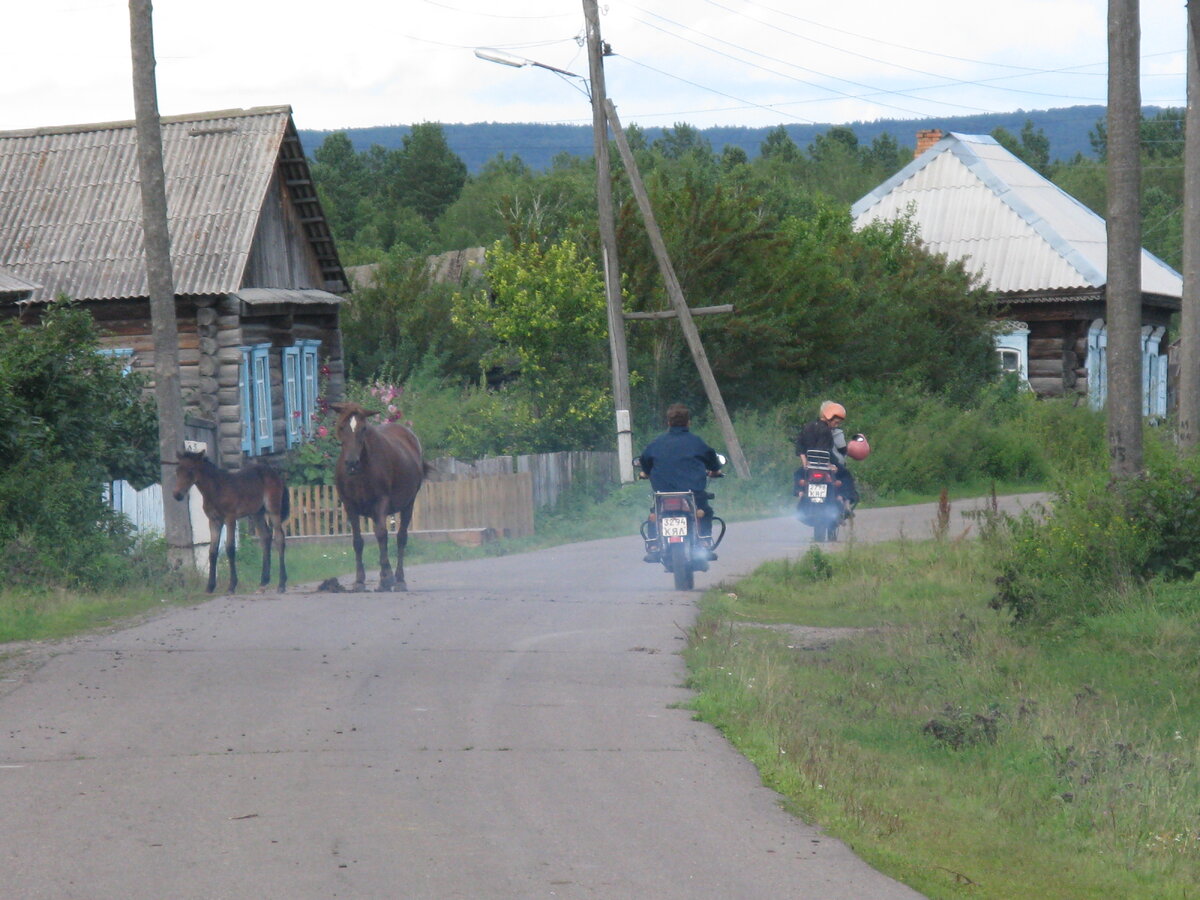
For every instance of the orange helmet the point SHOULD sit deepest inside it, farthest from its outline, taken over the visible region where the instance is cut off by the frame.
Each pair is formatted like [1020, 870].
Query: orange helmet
[829, 409]
[858, 448]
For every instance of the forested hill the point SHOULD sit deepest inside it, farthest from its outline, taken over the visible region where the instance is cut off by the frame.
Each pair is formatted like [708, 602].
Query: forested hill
[536, 144]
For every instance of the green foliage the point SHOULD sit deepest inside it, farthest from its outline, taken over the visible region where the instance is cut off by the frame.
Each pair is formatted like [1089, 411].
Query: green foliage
[384, 199]
[1103, 541]
[402, 318]
[544, 313]
[70, 421]
[837, 304]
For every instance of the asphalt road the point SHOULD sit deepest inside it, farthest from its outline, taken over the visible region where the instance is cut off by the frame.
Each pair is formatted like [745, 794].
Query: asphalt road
[508, 728]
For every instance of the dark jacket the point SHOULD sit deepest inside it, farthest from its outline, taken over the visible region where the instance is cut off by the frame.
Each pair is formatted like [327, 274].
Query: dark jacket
[678, 460]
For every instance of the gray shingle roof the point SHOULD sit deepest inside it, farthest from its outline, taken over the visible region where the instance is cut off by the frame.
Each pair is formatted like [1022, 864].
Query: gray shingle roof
[973, 200]
[70, 207]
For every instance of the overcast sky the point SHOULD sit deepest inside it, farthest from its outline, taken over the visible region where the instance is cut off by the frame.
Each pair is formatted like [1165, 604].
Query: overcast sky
[350, 63]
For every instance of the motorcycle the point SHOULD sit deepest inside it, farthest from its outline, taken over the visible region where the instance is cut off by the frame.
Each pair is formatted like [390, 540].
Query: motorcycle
[672, 535]
[819, 489]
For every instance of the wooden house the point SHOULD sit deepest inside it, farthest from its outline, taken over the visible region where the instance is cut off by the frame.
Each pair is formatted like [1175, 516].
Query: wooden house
[1041, 251]
[257, 279]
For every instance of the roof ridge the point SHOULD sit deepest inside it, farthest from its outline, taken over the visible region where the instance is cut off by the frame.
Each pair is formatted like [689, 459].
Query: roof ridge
[85, 128]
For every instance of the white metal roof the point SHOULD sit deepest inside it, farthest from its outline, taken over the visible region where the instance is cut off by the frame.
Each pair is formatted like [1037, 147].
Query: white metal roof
[974, 201]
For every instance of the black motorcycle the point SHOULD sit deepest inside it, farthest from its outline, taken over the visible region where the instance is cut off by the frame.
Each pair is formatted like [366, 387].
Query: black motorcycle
[819, 489]
[672, 535]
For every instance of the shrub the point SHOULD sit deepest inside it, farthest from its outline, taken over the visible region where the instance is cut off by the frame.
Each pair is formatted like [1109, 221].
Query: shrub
[1103, 539]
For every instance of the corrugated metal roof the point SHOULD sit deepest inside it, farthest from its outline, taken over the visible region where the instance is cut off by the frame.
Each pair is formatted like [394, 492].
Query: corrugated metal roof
[11, 284]
[70, 205]
[973, 200]
[255, 296]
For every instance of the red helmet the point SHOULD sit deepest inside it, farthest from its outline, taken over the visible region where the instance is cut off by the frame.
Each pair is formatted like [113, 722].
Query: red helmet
[858, 448]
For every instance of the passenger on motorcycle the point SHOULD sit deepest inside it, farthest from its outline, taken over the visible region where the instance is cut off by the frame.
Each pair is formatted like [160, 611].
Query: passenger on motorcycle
[825, 433]
[678, 460]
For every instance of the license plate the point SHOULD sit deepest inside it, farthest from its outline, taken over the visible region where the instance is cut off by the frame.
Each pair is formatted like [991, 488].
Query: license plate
[676, 526]
[817, 491]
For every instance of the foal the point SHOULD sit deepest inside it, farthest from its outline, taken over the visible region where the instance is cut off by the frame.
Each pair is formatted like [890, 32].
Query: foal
[258, 492]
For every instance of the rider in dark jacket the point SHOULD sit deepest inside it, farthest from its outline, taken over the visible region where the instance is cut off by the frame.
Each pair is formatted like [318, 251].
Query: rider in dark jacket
[825, 433]
[678, 460]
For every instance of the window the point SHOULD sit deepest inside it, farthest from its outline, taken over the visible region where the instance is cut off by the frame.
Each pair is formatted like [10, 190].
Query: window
[254, 387]
[1010, 361]
[300, 388]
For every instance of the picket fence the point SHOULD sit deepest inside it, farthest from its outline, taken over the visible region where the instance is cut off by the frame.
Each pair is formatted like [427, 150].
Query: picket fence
[495, 506]
[495, 497]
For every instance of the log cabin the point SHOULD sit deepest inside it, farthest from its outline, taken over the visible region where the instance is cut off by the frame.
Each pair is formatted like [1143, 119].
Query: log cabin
[1043, 254]
[257, 280]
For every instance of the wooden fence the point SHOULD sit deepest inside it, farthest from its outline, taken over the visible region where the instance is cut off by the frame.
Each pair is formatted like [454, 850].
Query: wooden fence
[501, 505]
[552, 473]
[496, 495]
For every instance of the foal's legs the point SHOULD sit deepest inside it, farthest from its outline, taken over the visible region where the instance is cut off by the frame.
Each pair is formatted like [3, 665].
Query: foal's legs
[230, 551]
[270, 527]
[263, 528]
[214, 549]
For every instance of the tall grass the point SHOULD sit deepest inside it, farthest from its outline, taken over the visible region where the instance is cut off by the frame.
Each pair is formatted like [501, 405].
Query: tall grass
[963, 755]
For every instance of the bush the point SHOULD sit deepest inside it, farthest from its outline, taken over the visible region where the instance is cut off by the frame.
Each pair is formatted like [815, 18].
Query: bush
[70, 421]
[1103, 540]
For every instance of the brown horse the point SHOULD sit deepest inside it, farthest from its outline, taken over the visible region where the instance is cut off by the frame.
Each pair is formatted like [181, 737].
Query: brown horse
[379, 472]
[258, 491]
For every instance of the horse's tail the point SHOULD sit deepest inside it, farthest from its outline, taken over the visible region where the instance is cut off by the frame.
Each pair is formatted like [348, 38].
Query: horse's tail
[285, 501]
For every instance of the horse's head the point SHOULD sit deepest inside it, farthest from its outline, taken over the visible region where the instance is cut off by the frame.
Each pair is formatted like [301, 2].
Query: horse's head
[187, 471]
[351, 432]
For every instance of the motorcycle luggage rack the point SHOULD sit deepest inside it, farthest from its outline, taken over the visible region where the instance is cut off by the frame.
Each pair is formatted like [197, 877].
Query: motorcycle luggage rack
[818, 459]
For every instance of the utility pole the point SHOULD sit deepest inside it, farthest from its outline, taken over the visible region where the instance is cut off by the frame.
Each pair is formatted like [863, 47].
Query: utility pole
[678, 301]
[1123, 292]
[608, 244]
[1189, 319]
[177, 523]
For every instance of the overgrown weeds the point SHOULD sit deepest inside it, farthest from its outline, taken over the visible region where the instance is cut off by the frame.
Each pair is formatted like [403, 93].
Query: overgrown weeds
[964, 753]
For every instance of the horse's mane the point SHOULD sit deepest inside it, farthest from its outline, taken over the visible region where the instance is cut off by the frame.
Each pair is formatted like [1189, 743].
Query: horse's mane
[198, 456]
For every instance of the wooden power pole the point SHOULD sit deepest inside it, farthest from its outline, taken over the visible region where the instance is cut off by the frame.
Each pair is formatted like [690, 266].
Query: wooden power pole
[608, 243]
[1189, 319]
[678, 301]
[177, 523]
[1123, 293]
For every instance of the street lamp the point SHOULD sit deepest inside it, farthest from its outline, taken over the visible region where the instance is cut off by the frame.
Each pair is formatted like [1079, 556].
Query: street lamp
[519, 62]
[608, 241]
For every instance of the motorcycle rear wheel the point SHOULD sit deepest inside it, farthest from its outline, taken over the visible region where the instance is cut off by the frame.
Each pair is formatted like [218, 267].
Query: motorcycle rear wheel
[681, 566]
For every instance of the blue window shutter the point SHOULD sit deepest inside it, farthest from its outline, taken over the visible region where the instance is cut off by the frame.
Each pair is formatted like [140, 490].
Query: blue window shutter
[293, 406]
[245, 379]
[309, 385]
[121, 353]
[264, 423]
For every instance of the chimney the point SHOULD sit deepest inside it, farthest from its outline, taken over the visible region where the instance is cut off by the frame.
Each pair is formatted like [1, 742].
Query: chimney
[926, 138]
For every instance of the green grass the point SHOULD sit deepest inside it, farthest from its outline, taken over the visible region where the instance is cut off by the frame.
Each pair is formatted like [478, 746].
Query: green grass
[962, 756]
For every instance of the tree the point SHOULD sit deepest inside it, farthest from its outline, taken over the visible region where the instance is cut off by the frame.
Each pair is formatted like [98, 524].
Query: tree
[779, 146]
[544, 312]
[1033, 147]
[70, 421]
[429, 175]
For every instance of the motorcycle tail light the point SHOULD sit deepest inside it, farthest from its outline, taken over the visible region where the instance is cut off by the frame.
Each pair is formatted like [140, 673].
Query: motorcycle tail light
[674, 503]
[818, 476]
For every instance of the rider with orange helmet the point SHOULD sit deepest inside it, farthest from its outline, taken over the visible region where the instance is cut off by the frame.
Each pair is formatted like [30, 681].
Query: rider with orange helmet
[825, 433]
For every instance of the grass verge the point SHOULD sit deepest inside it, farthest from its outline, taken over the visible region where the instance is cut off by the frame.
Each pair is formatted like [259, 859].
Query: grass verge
[961, 755]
